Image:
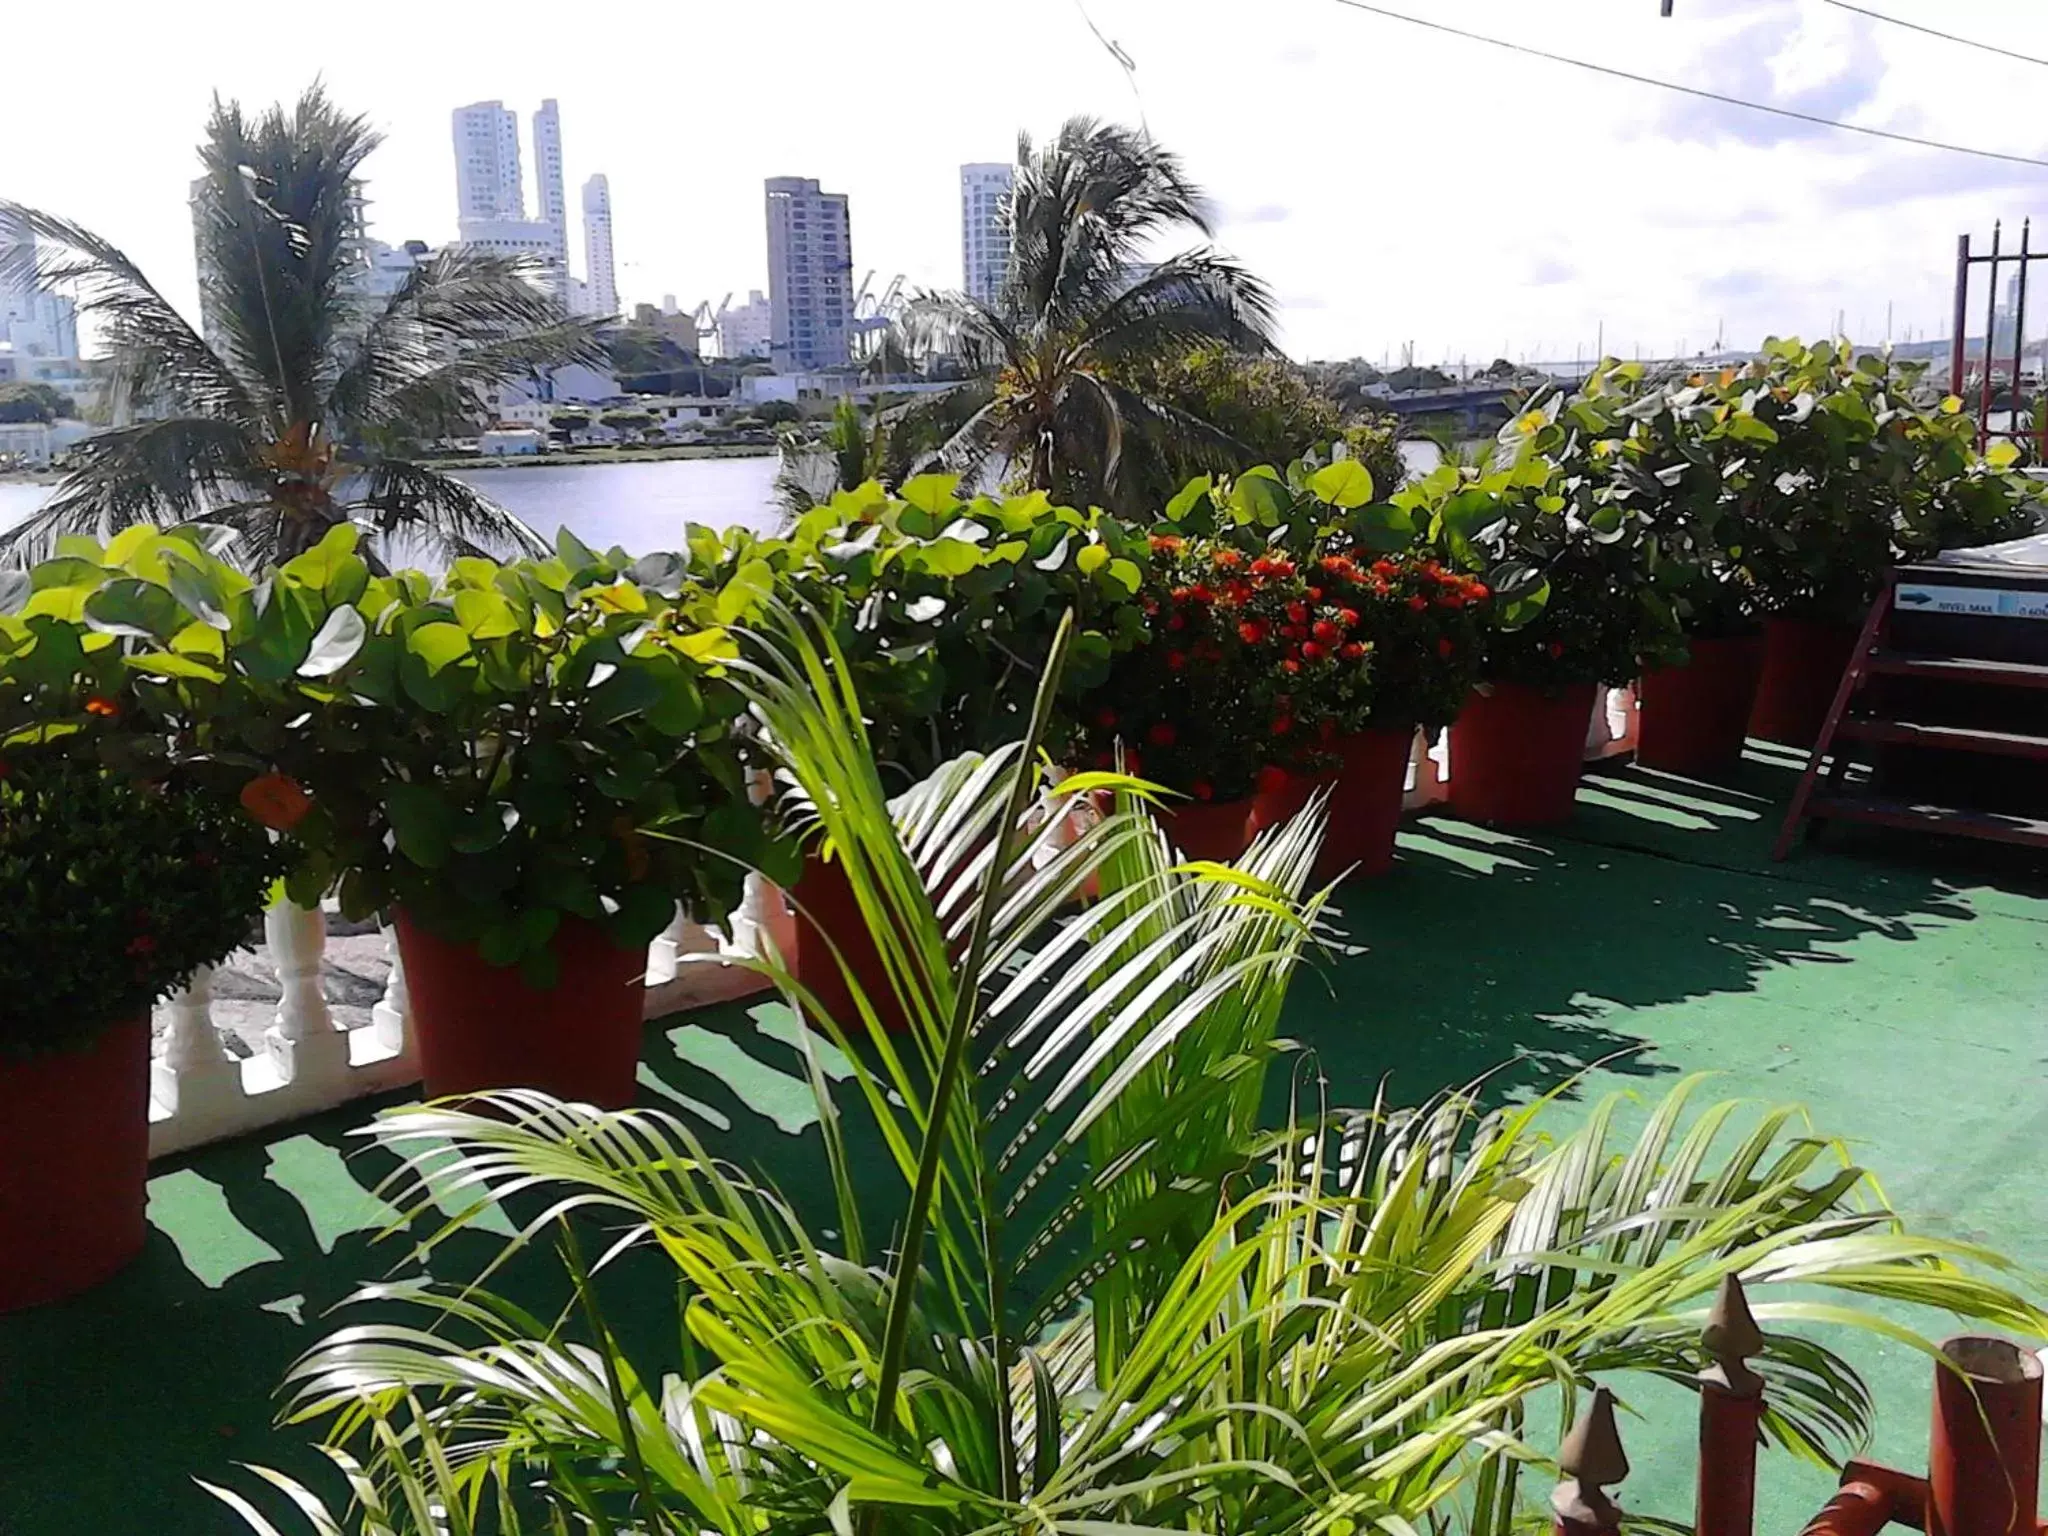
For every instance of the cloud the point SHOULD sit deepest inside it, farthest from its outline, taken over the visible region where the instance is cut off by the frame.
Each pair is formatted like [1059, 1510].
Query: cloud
[1263, 213]
[1742, 283]
[1303, 301]
[1933, 173]
[1548, 271]
[1772, 60]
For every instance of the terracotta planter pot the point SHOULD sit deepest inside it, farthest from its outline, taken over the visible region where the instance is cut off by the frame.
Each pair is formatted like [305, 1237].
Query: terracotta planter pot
[1219, 830]
[1694, 717]
[1365, 807]
[1516, 754]
[827, 914]
[1803, 665]
[74, 1166]
[481, 1026]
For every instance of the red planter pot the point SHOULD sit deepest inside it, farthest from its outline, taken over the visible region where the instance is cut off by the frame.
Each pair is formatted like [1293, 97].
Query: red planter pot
[1365, 805]
[481, 1026]
[74, 1166]
[1803, 665]
[827, 913]
[1694, 716]
[1218, 830]
[1516, 754]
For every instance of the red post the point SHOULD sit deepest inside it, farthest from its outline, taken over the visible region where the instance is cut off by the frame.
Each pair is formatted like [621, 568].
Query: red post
[1590, 1458]
[1858, 1508]
[1984, 1460]
[1956, 344]
[1731, 1411]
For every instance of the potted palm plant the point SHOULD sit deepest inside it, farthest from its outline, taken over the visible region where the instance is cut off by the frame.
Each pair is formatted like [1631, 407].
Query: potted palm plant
[116, 892]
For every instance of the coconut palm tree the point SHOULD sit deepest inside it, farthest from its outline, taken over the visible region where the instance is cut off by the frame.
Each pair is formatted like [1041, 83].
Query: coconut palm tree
[1054, 396]
[305, 403]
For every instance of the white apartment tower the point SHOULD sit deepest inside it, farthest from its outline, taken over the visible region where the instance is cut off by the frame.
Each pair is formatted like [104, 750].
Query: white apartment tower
[487, 162]
[603, 288]
[548, 192]
[985, 229]
[810, 270]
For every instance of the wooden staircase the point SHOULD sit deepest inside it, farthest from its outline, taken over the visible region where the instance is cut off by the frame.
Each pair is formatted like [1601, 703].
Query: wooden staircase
[1916, 687]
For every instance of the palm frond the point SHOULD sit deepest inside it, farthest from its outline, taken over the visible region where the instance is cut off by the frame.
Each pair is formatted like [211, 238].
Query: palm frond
[160, 360]
[424, 512]
[170, 470]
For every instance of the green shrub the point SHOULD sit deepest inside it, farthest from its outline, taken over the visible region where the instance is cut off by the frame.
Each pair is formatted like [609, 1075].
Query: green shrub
[115, 893]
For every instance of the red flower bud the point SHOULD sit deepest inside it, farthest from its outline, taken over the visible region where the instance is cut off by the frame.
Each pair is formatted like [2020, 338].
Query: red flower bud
[1445, 648]
[1327, 632]
[1418, 603]
[1352, 651]
[1161, 734]
[1251, 632]
[1310, 651]
[1105, 717]
[1297, 612]
[99, 704]
[1175, 660]
[1202, 789]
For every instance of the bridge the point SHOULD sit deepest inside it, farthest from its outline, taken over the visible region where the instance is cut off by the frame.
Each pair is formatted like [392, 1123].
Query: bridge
[1474, 402]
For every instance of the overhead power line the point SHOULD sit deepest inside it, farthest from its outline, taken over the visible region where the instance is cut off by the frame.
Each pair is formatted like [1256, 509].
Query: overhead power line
[1947, 37]
[1692, 90]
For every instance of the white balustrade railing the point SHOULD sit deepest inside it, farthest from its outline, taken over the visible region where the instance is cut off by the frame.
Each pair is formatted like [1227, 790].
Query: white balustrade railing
[311, 1061]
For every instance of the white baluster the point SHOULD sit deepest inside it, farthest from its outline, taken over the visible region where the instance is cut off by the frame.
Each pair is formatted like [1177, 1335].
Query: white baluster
[303, 1041]
[392, 1017]
[742, 939]
[194, 1080]
[667, 945]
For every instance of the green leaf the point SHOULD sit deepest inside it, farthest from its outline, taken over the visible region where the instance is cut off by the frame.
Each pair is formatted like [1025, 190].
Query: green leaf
[127, 606]
[1093, 557]
[746, 595]
[335, 646]
[1126, 574]
[935, 495]
[438, 644]
[1189, 497]
[332, 567]
[1345, 483]
[486, 615]
[421, 821]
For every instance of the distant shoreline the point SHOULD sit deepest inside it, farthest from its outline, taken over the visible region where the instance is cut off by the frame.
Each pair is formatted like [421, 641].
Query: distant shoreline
[604, 456]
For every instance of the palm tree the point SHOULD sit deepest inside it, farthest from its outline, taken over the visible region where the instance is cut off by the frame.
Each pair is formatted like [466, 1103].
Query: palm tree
[1078, 309]
[305, 404]
[1089, 1295]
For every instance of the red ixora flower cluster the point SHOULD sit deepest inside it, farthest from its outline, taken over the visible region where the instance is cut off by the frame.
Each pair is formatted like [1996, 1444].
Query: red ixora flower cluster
[1248, 665]
[1424, 623]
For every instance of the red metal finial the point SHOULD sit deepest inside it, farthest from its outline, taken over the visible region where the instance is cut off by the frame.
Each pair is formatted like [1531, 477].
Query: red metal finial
[1731, 1340]
[1591, 1458]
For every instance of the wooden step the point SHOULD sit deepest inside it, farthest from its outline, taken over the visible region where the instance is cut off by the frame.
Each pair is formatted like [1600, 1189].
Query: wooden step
[1958, 669]
[1953, 738]
[1986, 825]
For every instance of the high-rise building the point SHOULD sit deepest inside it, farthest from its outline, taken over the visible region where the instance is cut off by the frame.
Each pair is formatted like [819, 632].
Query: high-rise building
[745, 331]
[810, 270]
[985, 229]
[597, 246]
[487, 182]
[552, 202]
[37, 324]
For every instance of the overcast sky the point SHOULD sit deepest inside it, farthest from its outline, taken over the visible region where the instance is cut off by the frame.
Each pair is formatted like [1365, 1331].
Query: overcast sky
[1393, 185]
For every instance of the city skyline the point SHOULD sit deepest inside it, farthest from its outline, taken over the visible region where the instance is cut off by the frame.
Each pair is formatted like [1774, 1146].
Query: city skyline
[1378, 187]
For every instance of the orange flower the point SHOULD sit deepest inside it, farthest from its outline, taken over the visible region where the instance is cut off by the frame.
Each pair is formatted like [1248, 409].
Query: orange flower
[1478, 590]
[1290, 666]
[1228, 560]
[99, 704]
[276, 801]
[1165, 544]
